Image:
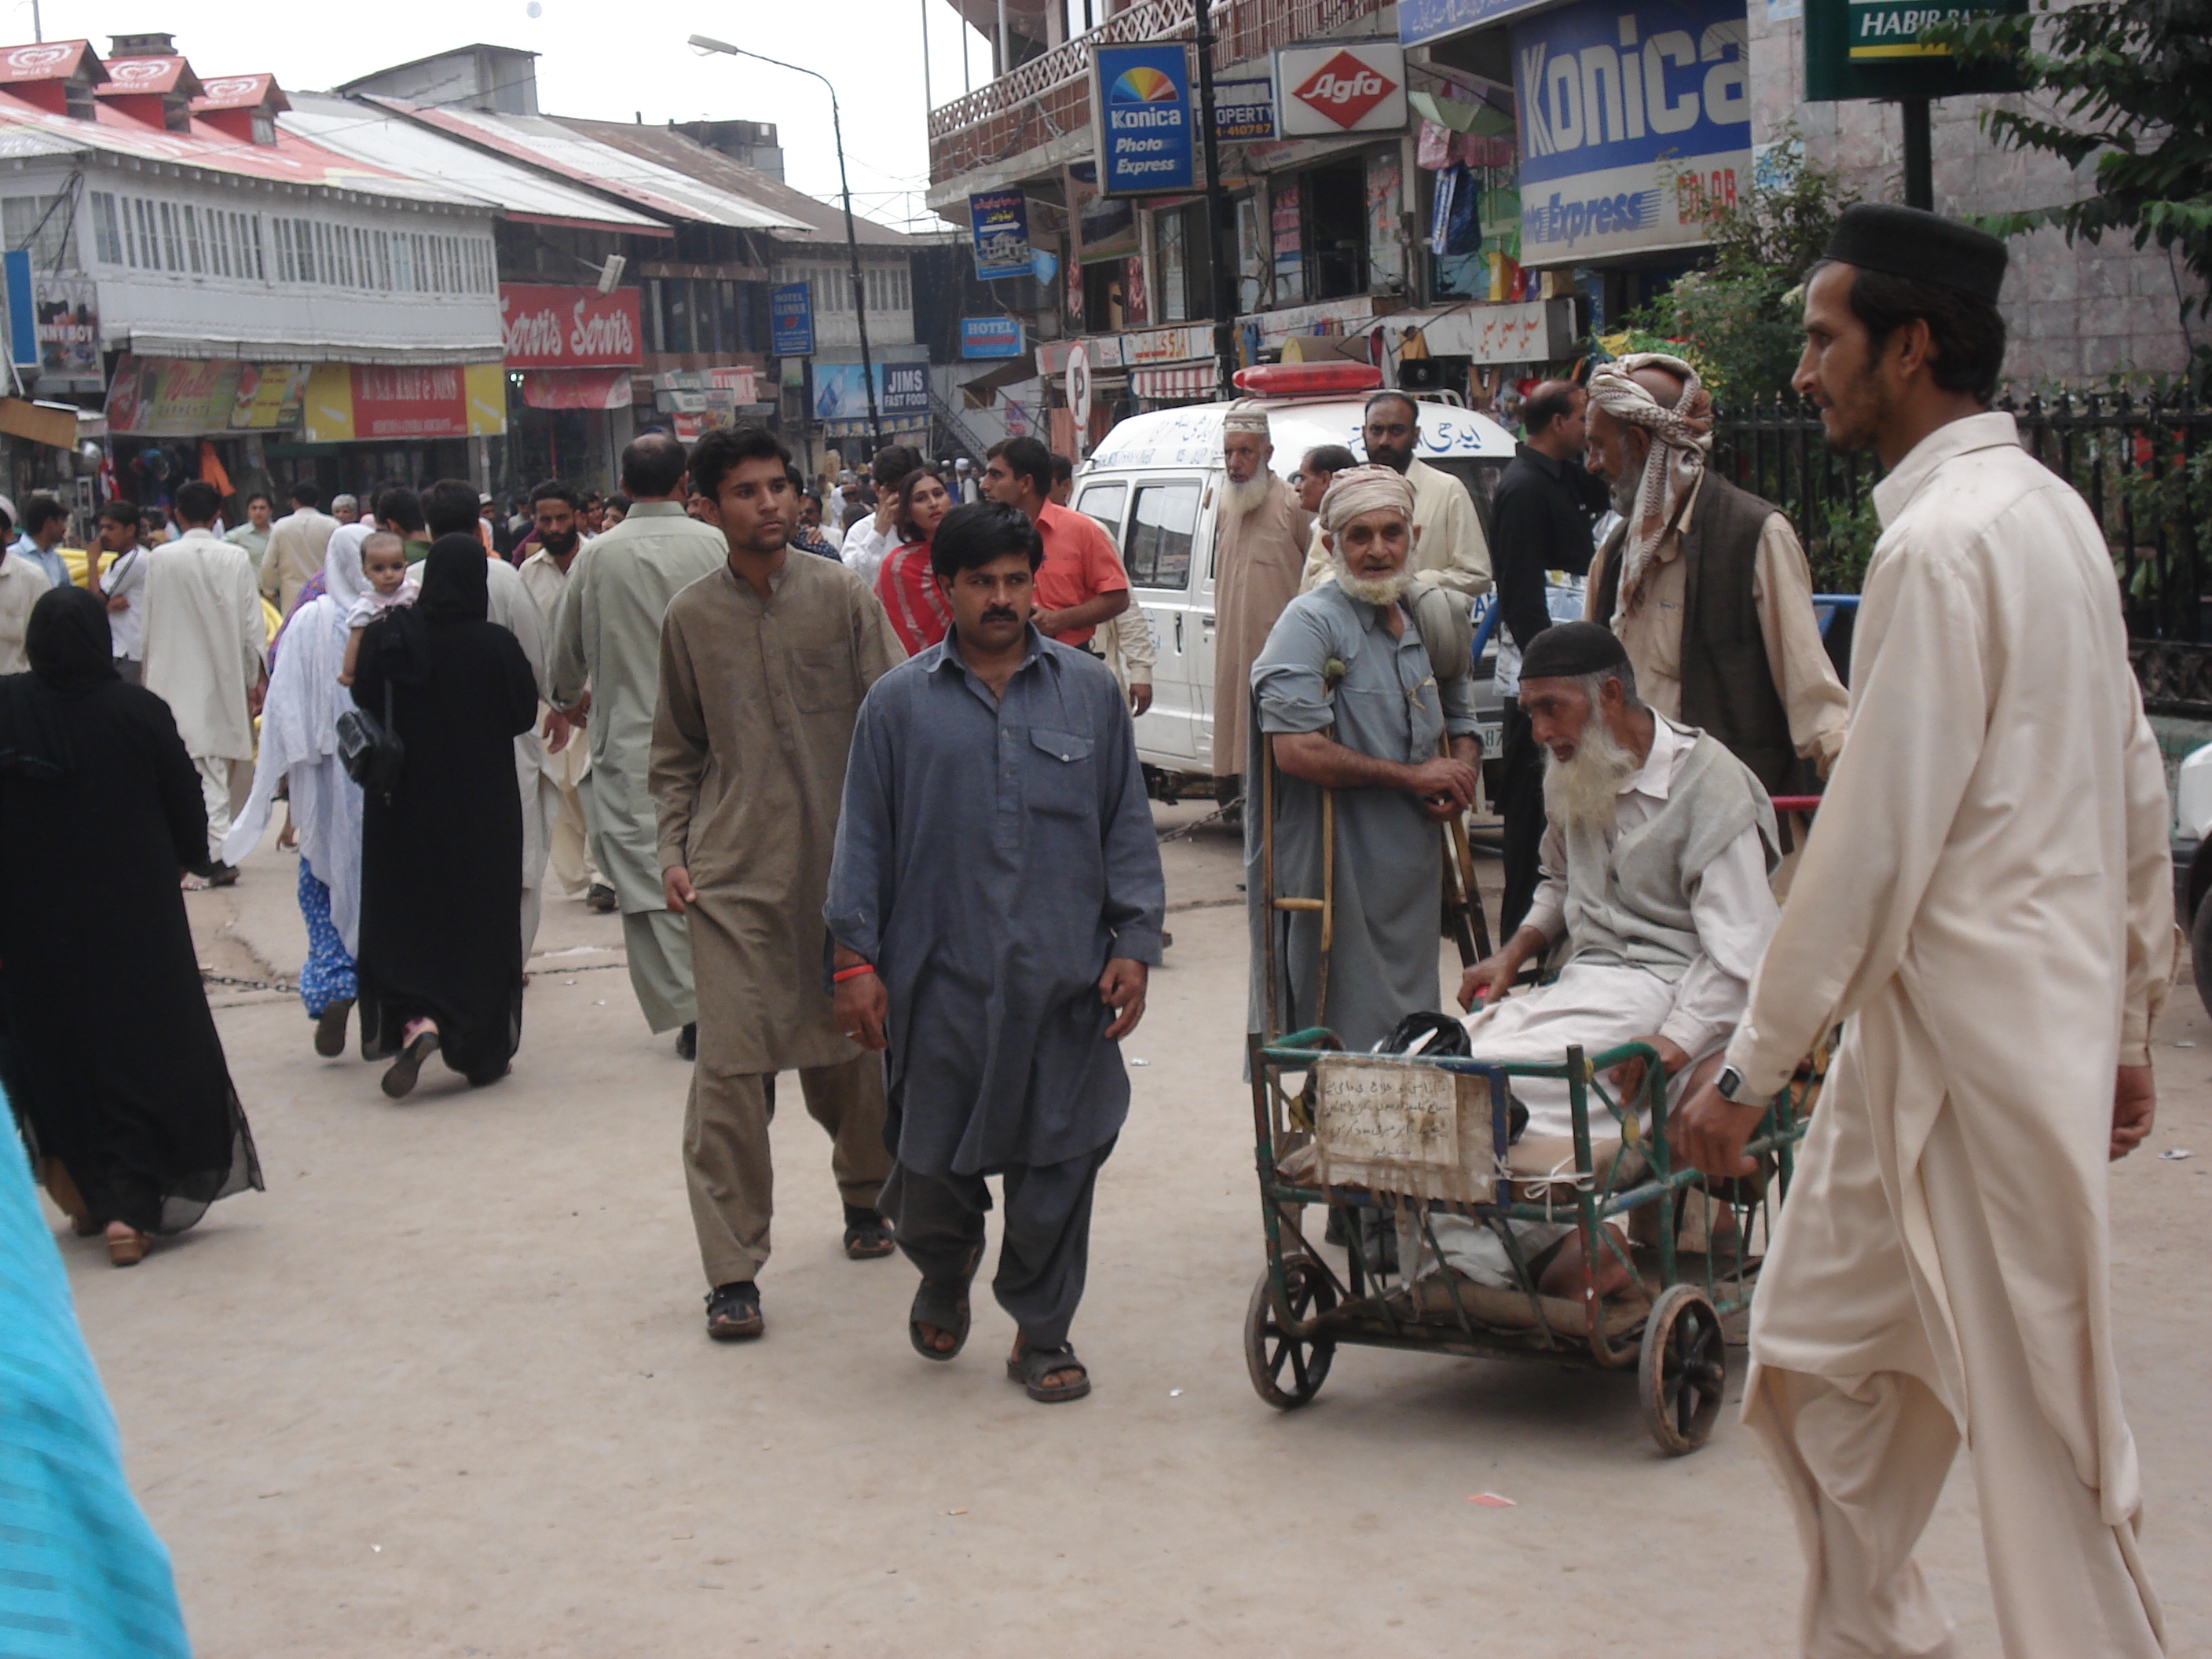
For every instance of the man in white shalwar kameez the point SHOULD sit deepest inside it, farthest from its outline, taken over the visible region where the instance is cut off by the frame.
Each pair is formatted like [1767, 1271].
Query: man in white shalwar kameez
[204, 642]
[1985, 900]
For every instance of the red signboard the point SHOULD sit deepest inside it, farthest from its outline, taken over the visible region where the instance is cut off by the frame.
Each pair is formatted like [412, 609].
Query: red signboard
[410, 403]
[549, 327]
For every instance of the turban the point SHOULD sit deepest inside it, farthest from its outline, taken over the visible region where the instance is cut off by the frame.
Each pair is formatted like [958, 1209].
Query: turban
[1680, 437]
[1358, 489]
[1922, 247]
[1246, 420]
[1567, 651]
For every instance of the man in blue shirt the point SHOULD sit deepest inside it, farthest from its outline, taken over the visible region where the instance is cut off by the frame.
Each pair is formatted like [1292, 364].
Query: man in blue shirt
[44, 522]
[995, 909]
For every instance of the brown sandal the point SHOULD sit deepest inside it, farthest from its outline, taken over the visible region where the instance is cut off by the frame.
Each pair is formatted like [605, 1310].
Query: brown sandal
[127, 1250]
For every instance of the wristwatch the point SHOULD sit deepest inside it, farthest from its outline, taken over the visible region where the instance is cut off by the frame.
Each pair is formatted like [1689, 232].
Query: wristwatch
[1730, 1086]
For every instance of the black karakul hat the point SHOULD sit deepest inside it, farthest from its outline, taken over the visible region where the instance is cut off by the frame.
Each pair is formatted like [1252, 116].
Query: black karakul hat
[1567, 651]
[1922, 246]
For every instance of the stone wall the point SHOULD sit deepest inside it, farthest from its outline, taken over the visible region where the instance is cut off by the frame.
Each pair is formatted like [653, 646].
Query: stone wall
[2076, 314]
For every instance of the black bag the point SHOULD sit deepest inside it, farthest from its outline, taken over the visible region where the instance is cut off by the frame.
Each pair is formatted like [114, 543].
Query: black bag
[369, 748]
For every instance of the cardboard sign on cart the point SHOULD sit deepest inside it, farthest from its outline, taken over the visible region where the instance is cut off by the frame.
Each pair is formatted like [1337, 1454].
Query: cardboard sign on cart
[1394, 1126]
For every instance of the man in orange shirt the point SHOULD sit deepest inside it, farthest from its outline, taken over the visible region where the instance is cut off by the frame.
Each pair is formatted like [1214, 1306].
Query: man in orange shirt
[1081, 583]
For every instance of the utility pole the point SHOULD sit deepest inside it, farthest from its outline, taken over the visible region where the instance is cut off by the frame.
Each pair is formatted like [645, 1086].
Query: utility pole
[1222, 243]
[1919, 155]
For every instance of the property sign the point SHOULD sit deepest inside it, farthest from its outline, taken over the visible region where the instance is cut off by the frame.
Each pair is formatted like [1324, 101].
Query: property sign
[551, 327]
[999, 220]
[1245, 111]
[1145, 118]
[990, 337]
[1633, 116]
[791, 319]
[1322, 91]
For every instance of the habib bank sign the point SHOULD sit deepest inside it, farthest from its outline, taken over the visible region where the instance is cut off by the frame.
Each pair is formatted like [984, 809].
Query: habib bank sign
[549, 327]
[1633, 118]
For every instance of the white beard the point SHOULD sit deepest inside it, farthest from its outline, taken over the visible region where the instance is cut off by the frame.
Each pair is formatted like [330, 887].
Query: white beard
[1379, 590]
[1584, 792]
[1239, 499]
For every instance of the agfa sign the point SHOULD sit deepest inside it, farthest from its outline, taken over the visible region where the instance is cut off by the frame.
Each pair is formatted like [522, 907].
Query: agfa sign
[1322, 91]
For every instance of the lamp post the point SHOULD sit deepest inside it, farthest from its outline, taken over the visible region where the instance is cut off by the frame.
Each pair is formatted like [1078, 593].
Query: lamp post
[706, 43]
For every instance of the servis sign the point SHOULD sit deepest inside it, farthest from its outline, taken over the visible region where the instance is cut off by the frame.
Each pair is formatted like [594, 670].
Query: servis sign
[550, 327]
[1322, 91]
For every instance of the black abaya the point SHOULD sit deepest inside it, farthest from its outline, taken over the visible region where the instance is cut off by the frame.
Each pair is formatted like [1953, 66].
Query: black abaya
[441, 859]
[113, 1064]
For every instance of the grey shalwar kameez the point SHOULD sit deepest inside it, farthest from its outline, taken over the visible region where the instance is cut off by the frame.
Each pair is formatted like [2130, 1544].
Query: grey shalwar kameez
[993, 855]
[1389, 855]
[756, 705]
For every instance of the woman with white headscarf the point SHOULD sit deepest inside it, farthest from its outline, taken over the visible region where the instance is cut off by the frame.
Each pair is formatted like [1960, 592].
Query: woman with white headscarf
[299, 746]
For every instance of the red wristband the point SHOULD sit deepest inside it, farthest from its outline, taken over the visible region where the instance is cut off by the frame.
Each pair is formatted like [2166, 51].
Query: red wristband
[844, 974]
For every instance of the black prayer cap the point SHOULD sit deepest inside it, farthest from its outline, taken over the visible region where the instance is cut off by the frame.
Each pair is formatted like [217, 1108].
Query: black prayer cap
[1567, 651]
[1925, 247]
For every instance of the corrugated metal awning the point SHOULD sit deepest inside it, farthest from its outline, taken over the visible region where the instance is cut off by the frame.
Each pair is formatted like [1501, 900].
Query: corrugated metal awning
[1195, 383]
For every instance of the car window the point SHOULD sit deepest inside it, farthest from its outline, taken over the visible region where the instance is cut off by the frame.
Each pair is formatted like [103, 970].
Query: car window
[1106, 503]
[1160, 534]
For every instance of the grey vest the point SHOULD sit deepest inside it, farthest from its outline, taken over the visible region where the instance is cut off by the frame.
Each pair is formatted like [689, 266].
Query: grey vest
[1630, 903]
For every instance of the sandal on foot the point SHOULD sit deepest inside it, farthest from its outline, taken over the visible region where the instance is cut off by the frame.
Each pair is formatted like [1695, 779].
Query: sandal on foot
[867, 1234]
[127, 1250]
[331, 1028]
[734, 1312]
[399, 1081]
[1033, 1364]
[943, 1307]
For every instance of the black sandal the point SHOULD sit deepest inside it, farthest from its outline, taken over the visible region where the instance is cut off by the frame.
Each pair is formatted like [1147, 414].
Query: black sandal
[867, 1234]
[399, 1080]
[331, 1028]
[734, 1312]
[943, 1307]
[1033, 1364]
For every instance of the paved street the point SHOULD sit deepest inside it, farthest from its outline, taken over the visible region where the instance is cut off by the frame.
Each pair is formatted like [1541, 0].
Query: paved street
[443, 1389]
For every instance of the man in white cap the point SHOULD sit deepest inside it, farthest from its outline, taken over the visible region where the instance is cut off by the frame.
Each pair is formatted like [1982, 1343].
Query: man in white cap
[1448, 548]
[1350, 705]
[1259, 550]
[1704, 583]
[1986, 902]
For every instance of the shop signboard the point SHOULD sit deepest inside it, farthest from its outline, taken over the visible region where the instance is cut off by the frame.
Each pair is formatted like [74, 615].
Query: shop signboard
[1633, 118]
[1420, 21]
[548, 326]
[67, 312]
[22, 314]
[177, 396]
[990, 337]
[1874, 49]
[353, 402]
[905, 388]
[1185, 343]
[1245, 111]
[1144, 118]
[1324, 91]
[841, 392]
[791, 319]
[999, 220]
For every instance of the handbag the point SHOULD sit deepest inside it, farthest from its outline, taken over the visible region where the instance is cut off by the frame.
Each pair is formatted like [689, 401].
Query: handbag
[369, 748]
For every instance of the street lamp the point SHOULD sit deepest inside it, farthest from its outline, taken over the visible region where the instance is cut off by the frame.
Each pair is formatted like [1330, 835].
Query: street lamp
[707, 42]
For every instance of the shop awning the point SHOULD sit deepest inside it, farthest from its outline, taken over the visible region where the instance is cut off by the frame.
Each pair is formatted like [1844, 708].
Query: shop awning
[53, 424]
[1185, 384]
[576, 388]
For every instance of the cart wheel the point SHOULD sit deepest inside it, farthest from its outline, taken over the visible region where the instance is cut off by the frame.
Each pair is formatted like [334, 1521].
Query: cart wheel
[1286, 1370]
[1682, 1370]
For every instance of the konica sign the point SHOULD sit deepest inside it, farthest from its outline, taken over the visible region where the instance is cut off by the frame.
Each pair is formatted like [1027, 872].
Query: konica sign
[1633, 118]
[1146, 123]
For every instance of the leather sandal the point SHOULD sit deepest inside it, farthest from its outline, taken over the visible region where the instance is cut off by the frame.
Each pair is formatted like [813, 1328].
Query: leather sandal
[331, 1028]
[942, 1307]
[1033, 1364]
[399, 1079]
[734, 1312]
[128, 1250]
[867, 1234]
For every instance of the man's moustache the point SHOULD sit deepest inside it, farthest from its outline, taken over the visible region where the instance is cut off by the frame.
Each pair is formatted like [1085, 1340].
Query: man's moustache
[1000, 615]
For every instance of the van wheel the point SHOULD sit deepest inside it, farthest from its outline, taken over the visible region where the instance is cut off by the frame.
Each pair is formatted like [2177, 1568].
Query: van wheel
[2200, 950]
[1170, 789]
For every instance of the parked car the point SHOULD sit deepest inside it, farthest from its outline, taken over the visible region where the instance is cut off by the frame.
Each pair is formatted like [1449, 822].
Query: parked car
[1153, 481]
[2192, 862]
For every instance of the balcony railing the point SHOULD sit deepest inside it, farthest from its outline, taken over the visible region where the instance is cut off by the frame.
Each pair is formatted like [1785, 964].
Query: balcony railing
[1050, 96]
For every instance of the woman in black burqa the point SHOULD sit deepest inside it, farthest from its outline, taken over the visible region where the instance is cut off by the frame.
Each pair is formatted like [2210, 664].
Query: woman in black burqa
[441, 964]
[111, 1055]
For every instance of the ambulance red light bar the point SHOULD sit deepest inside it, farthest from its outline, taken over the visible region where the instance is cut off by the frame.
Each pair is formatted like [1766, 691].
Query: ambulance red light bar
[1305, 379]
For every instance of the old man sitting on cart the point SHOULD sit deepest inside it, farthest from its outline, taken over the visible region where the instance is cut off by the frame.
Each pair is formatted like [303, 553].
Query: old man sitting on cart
[1656, 851]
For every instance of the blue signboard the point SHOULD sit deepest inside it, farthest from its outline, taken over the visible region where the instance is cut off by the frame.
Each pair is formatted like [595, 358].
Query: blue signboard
[22, 314]
[1146, 123]
[841, 392]
[1634, 118]
[791, 320]
[1420, 21]
[990, 337]
[1001, 221]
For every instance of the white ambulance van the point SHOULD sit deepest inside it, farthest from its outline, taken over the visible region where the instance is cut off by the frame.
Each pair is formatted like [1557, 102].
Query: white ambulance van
[1152, 483]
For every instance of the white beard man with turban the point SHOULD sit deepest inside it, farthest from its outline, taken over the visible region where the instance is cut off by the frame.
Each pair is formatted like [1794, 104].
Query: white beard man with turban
[1260, 534]
[1351, 706]
[1705, 583]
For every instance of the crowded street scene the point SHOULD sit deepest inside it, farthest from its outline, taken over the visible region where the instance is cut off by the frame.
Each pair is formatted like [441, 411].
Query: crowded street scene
[1453, 757]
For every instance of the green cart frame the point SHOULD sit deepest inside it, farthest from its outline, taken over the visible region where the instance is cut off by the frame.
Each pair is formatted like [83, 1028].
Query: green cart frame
[1302, 1308]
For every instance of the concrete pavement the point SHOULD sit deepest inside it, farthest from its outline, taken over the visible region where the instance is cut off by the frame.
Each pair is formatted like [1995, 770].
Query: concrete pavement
[443, 1389]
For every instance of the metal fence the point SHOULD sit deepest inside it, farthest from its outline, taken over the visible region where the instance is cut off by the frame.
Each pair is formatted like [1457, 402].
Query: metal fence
[2144, 464]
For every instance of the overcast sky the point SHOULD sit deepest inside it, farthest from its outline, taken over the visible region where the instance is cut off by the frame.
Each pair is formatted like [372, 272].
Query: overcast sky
[606, 61]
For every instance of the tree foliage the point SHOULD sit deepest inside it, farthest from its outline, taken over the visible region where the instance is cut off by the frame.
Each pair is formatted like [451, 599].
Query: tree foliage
[2128, 85]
